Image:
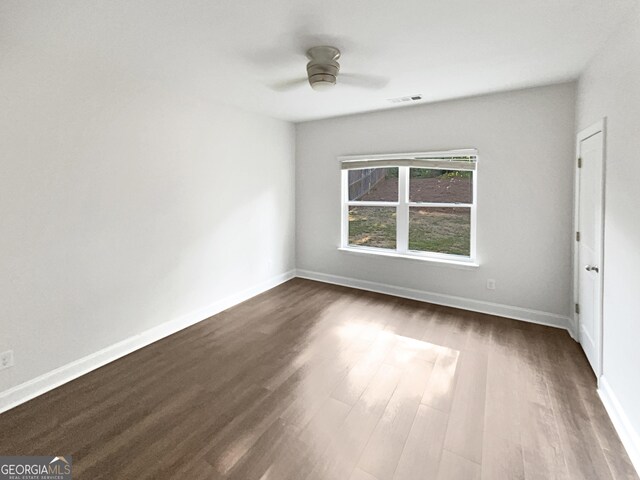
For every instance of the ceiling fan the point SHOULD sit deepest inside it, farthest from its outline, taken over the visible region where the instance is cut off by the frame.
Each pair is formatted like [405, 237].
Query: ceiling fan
[322, 73]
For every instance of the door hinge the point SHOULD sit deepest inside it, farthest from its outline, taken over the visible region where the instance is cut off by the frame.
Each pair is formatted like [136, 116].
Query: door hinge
[577, 308]
[579, 162]
[577, 236]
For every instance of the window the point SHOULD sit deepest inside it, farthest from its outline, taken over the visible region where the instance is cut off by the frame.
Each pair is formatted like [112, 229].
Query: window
[419, 205]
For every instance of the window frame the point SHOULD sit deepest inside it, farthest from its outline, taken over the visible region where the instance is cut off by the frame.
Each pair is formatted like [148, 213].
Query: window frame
[403, 206]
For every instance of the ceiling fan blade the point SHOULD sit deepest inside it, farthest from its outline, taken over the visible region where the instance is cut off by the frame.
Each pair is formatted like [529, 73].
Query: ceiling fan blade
[374, 82]
[289, 84]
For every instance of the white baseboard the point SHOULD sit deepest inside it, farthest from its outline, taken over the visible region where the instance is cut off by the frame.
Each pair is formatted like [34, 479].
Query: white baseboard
[573, 327]
[517, 313]
[629, 437]
[50, 380]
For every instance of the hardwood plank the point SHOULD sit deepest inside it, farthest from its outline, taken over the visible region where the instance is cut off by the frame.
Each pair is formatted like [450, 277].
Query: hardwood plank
[455, 467]
[361, 475]
[343, 453]
[466, 420]
[325, 423]
[415, 318]
[582, 452]
[385, 446]
[304, 452]
[318, 381]
[502, 445]
[231, 443]
[420, 457]
[440, 388]
[620, 465]
[407, 348]
[351, 388]
[276, 440]
[542, 452]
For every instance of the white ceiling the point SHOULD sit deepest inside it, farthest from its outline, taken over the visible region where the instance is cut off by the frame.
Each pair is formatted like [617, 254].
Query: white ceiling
[232, 51]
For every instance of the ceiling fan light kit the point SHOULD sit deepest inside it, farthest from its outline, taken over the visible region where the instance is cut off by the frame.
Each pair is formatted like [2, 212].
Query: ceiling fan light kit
[323, 67]
[322, 72]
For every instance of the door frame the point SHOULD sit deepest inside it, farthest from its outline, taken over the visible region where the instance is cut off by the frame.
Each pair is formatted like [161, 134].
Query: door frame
[598, 127]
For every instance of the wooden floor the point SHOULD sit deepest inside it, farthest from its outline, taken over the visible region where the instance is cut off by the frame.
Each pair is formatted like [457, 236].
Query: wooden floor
[313, 381]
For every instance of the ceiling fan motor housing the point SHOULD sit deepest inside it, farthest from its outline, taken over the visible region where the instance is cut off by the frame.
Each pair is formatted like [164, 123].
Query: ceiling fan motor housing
[323, 67]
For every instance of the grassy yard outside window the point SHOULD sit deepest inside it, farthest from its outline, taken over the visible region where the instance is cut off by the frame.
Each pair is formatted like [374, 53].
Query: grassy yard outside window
[416, 205]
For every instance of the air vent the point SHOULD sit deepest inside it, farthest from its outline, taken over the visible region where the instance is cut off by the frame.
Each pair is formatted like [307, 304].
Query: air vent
[408, 98]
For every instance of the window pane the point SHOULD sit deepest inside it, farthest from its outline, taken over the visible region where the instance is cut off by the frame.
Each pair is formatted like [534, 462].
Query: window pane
[441, 186]
[372, 226]
[374, 184]
[441, 230]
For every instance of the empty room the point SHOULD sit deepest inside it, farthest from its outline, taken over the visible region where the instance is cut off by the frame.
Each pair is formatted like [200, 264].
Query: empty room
[339, 240]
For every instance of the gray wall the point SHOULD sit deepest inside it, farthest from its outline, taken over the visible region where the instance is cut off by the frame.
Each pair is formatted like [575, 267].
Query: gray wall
[125, 206]
[525, 140]
[611, 87]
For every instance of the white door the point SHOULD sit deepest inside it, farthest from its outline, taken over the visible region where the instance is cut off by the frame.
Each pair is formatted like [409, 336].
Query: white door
[589, 267]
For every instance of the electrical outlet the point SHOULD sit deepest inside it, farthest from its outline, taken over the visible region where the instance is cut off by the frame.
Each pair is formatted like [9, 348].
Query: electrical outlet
[6, 359]
[491, 284]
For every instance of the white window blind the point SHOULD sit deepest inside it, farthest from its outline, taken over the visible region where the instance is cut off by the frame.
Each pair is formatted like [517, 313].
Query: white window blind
[464, 159]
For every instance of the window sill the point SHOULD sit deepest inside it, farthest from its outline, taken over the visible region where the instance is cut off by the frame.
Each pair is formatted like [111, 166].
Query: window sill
[444, 262]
